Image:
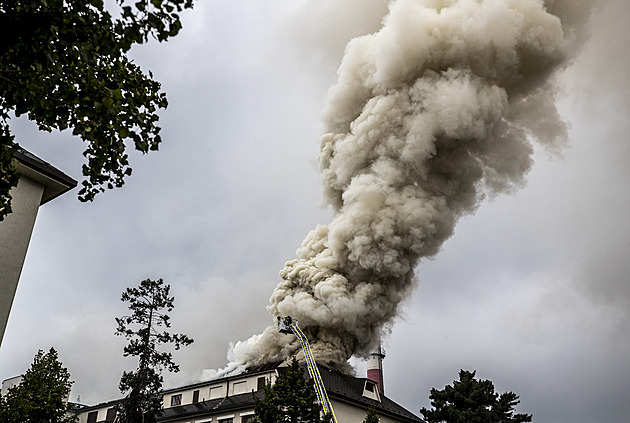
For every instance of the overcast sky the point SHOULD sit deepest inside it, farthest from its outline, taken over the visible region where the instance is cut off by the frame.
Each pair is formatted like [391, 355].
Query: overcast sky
[531, 291]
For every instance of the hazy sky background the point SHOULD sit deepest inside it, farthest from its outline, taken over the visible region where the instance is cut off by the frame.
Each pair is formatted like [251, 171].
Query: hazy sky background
[532, 291]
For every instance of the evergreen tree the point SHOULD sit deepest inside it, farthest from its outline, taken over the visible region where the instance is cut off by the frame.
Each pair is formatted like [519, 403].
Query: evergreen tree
[148, 303]
[65, 65]
[291, 399]
[471, 400]
[371, 416]
[42, 394]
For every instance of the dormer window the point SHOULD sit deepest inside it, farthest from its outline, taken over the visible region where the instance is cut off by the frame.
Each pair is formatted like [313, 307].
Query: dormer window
[176, 400]
[370, 390]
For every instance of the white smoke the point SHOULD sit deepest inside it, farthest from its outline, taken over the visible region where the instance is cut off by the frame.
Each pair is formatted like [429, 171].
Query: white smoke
[429, 115]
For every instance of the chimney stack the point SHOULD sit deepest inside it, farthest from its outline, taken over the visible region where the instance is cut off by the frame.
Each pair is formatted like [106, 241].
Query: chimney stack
[375, 368]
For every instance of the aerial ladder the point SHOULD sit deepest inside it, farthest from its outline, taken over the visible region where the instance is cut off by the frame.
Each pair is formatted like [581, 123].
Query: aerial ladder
[287, 325]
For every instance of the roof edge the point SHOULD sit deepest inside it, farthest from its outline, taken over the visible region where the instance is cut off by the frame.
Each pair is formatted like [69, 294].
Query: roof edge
[54, 180]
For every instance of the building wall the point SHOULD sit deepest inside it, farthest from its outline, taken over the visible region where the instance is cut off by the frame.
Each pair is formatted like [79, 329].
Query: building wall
[10, 383]
[346, 410]
[351, 413]
[101, 414]
[207, 391]
[348, 413]
[215, 390]
[15, 235]
[240, 416]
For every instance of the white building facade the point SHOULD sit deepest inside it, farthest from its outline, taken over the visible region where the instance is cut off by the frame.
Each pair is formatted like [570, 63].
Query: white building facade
[232, 399]
[39, 183]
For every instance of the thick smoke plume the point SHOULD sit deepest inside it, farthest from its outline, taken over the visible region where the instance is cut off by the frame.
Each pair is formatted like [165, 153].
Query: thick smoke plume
[434, 112]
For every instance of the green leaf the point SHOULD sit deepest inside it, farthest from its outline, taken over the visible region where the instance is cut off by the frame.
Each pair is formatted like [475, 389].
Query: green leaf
[70, 68]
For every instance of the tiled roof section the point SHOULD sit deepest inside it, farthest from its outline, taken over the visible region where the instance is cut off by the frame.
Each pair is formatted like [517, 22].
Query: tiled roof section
[346, 387]
[80, 408]
[224, 405]
[263, 367]
[249, 371]
[339, 386]
[76, 407]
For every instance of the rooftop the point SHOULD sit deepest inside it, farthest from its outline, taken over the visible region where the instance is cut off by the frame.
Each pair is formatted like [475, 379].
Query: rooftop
[339, 386]
[55, 181]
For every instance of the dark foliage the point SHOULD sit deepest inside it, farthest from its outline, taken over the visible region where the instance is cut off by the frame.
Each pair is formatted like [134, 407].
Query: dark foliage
[65, 65]
[470, 400]
[290, 399]
[148, 303]
[371, 416]
[42, 394]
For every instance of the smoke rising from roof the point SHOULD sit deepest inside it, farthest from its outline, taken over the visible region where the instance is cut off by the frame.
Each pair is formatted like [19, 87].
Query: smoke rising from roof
[431, 114]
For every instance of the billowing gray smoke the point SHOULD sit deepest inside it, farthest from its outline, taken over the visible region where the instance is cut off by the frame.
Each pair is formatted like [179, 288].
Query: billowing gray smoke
[429, 115]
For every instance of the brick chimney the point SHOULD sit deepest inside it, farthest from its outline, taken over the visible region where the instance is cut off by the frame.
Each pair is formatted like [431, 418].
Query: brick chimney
[375, 368]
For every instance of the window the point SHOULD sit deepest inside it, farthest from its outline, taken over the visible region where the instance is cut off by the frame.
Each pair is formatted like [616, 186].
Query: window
[195, 397]
[111, 414]
[216, 392]
[92, 416]
[248, 419]
[229, 420]
[261, 383]
[239, 387]
[176, 400]
[370, 390]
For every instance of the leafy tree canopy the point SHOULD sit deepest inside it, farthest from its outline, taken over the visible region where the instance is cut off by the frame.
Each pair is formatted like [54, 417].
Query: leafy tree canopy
[290, 399]
[65, 65]
[470, 400]
[42, 394]
[148, 303]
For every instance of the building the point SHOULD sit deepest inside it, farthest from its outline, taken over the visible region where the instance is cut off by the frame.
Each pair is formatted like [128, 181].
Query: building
[39, 183]
[10, 383]
[231, 399]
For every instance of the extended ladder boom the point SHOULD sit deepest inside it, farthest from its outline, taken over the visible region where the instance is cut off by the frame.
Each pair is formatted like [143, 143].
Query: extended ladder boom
[287, 325]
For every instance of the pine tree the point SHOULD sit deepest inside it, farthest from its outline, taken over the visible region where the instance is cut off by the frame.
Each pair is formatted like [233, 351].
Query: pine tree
[42, 394]
[149, 303]
[290, 399]
[472, 401]
[371, 416]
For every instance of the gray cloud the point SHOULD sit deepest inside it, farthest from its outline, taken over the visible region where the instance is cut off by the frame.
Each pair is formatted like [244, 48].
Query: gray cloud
[530, 290]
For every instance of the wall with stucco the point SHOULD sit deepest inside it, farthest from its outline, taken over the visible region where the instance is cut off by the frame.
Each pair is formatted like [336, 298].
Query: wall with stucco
[15, 234]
